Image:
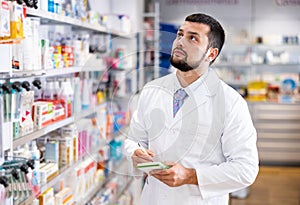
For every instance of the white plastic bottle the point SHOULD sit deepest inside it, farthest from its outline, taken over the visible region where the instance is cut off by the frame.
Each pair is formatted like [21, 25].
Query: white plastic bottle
[26, 152]
[35, 155]
[85, 95]
[67, 95]
[77, 96]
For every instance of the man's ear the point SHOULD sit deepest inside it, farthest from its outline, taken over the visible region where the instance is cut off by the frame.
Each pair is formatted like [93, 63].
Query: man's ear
[212, 54]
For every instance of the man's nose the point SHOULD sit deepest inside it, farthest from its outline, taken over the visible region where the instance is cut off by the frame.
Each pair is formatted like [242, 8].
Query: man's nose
[181, 42]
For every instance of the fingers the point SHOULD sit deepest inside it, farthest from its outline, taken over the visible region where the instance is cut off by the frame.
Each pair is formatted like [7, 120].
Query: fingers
[141, 159]
[149, 152]
[164, 171]
[141, 156]
[167, 179]
[160, 172]
[171, 164]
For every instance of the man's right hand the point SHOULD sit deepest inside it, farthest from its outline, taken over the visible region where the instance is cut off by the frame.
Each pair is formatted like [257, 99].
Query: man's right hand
[142, 156]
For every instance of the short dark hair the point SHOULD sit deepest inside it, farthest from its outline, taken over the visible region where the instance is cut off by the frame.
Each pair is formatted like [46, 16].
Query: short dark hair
[216, 36]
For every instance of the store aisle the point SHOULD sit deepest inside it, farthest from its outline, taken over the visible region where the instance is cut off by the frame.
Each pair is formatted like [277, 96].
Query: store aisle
[274, 186]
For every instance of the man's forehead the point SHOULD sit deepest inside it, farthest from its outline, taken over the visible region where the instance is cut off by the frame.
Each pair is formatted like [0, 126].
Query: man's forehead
[189, 26]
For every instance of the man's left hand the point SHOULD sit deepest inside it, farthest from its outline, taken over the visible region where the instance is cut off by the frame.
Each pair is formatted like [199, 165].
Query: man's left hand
[176, 175]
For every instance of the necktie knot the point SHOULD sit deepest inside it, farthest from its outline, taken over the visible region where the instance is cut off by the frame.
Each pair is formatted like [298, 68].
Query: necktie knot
[180, 94]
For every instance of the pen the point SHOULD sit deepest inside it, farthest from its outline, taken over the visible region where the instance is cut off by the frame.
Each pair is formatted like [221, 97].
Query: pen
[142, 147]
[145, 151]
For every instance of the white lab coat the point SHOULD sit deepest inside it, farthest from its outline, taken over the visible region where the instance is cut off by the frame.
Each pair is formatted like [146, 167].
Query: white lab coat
[216, 137]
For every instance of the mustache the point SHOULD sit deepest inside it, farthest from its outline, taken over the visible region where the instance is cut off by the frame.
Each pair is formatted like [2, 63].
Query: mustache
[180, 49]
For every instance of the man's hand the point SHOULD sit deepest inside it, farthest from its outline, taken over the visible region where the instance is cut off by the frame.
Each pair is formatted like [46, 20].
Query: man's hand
[141, 156]
[175, 176]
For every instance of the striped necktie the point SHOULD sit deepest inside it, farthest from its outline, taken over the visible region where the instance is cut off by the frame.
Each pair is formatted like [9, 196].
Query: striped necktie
[178, 100]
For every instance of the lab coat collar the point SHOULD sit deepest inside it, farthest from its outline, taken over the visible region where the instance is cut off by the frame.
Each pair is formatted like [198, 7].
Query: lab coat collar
[209, 78]
[212, 82]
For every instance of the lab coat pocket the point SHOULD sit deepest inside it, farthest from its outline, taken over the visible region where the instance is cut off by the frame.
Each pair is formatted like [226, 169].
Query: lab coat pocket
[175, 143]
[209, 144]
[200, 136]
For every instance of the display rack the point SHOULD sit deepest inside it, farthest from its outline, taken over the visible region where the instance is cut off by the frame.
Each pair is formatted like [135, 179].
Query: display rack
[55, 19]
[276, 121]
[39, 133]
[125, 187]
[66, 170]
[248, 54]
[151, 44]
[278, 131]
[48, 17]
[34, 135]
[94, 191]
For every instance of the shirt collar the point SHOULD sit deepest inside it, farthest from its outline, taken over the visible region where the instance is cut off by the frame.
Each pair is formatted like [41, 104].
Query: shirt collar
[192, 87]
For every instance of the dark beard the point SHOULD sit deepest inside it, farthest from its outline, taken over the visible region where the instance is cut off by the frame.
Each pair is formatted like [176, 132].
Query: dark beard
[181, 65]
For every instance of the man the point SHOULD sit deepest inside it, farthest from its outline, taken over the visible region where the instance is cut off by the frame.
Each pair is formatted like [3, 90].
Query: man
[194, 122]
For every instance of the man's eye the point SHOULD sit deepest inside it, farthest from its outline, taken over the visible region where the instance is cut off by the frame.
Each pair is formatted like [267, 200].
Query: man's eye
[193, 38]
[179, 35]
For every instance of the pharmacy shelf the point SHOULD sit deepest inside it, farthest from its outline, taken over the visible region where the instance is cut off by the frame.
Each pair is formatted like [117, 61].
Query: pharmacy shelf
[70, 70]
[49, 17]
[236, 82]
[122, 133]
[63, 173]
[245, 83]
[89, 112]
[64, 20]
[124, 188]
[49, 73]
[296, 65]
[237, 64]
[28, 201]
[150, 15]
[39, 133]
[22, 74]
[241, 64]
[89, 196]
[34, 135]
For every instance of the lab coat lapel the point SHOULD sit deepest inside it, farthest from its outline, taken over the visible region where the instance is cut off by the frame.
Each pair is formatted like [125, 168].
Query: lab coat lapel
[199, 97]
[183, 124]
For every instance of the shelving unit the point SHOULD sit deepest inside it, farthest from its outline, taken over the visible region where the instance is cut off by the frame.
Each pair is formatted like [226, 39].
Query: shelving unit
[39, 133]
[89, 68]
[278, 131]
[125, 187]
[48, 17]
[63, 173]
[66, 170]
[151, 42]
[277, 123]
[90, 195]
[34, 135]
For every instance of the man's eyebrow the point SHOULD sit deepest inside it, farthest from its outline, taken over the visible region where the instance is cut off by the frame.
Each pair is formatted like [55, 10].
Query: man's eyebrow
[190, 32]
[194, 33]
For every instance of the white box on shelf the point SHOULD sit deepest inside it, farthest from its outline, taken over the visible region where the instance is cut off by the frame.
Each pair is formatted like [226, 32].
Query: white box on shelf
[6, 58]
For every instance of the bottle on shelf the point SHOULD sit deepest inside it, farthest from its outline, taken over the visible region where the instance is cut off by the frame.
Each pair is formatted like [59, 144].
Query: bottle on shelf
[85, 95]
[37, 88]
[67, 96]
[35, 155]
[48, 93]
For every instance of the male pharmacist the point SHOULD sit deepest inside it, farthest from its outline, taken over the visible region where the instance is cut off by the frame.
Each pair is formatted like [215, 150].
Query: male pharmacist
[195, 123]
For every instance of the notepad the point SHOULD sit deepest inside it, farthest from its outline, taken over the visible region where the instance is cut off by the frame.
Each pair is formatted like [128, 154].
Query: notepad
[149, 166]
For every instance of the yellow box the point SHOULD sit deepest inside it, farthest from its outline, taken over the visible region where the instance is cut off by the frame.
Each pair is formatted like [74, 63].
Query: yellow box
[47, 198]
